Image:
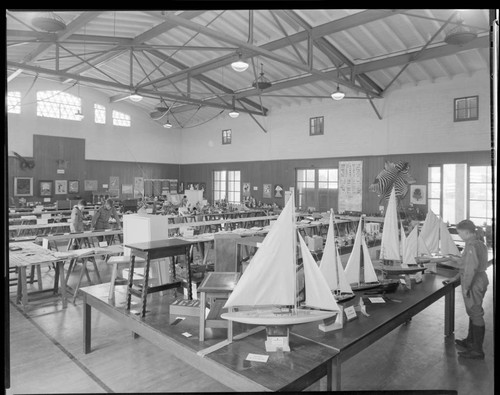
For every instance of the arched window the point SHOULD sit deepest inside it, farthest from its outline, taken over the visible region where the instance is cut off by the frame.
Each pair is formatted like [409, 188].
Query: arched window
[14, 102]
[99, 113]
[56, 104]
[121, 119]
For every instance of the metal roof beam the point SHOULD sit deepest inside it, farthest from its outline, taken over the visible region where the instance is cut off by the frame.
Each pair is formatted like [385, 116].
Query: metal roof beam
[316, 32]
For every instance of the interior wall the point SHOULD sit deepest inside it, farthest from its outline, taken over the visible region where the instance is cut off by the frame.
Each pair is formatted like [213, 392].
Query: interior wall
[283, 172]
[145, 141]
[415, 119]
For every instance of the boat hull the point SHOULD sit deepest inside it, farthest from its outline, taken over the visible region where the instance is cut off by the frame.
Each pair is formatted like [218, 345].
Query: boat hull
[363, 286]
[401, 270]
[272, 317]
[344, 297]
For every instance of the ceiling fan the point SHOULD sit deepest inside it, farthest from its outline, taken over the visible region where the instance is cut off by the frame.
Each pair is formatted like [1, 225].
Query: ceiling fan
[160, 111]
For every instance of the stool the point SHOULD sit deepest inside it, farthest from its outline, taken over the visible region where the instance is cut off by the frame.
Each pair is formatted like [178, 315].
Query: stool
[84, 258]
[114, 261]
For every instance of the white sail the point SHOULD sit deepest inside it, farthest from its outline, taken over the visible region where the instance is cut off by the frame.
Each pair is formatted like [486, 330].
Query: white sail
[430, 232]
[318, 294]
[331, 265]
[404, 263]
[370, 275]
[447, 245]
[389, 248]
[410, 247]
[270, 277]
[352, 269]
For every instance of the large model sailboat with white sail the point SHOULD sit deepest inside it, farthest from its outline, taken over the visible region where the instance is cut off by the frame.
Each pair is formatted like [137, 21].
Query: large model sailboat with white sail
[331, 267]
[266, 293]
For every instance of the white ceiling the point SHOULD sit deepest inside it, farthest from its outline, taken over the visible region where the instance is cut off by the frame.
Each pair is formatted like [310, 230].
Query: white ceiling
[184, 57]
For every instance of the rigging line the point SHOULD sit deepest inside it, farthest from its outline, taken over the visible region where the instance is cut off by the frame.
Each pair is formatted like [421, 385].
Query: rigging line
[29, 89]
[191, 117]
[177, 50]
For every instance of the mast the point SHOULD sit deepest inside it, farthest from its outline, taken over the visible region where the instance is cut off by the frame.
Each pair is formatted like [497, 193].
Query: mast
[294, 265]
[361, 256]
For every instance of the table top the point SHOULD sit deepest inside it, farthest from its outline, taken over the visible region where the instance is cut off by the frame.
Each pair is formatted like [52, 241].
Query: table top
[79, 235]
[399, 304]
[219, 281]
[159, 244]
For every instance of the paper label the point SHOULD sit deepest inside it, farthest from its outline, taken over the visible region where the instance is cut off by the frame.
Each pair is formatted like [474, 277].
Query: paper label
[103, 244]
[350, 313]
[257, 357]
[187, 334]
[377, 300]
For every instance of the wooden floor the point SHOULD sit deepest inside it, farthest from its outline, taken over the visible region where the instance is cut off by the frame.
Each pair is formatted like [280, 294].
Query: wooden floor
[47, 356]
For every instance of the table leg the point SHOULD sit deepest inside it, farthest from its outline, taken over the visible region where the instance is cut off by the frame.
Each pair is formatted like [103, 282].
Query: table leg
[60, 270]
[190, 284]
[230, 328]
[202, 316]
[329, 375]
[39, 277]
[87, 325]
[336, 373]
[449, 312]
[130, 280]
[145, 287]
[24, 286]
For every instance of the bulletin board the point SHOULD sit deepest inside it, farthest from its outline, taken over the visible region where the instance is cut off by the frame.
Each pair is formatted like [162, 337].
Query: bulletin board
[350, 186]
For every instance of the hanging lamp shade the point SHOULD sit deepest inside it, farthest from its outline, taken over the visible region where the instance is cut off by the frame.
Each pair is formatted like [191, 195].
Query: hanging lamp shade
[167, 125]
[459, 35]
[262, 82]
[48, 22]
[234, 114]
[135, 97]
[239, 65]
[338, 94]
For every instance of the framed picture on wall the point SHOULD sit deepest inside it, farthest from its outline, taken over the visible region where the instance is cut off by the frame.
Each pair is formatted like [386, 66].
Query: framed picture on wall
[23, 186]
[127, 189]
[181, 187]
[46, 188]
[418, 194]
[90, 185]
[73, 186]
[246, 189]
[266, 190]
[61, 187]
[278, 191]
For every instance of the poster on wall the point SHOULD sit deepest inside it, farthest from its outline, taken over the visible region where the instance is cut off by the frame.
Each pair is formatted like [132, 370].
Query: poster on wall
[138, 187]
[61, 187]
[246, 189]
[266, 190]
[173, 186]
[23, 186]
[278, 191]
[350, 186]
[45, 188]
[114, 185]
[127, 189]
[418, 194]
[90, 185]
[73, 186]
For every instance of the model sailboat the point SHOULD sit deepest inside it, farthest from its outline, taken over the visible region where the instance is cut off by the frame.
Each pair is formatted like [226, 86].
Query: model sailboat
[269, 285]
[397, 255]
[331, 267]
[435, 240]
[359, 270]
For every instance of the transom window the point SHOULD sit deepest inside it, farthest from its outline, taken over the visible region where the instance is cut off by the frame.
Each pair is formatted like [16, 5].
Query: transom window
[434, 189]
[227, 185]
[121, 119]
[480, 195]
[14, 102]
[316, 126]
[466, 109]
[226, 136]
[57, 104]
[99, 113]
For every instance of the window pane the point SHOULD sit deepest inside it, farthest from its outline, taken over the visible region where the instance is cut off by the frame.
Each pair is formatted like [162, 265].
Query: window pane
[323, 174]
[478, 191]
[323, 185]
[14, 102]
[478, 208]
[434, 205]
[300, 175]
[479, 173]
[434, 174]
[434, 190]
[310, 175]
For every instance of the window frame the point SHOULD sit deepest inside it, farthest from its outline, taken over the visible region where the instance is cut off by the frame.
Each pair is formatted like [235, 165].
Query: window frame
[227, 136]
[126, 118]
[96, 111]
[12, 108]
[313, 129]
[227, 186]
[468, 108]
[43, 105]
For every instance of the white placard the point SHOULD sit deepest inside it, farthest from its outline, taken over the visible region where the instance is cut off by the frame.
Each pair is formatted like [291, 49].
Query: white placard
[180, 318]
[187, 334]
[350, 185]
[350, 313]
[60, 171]
[377, 299]
[257, 357]
[103, 244]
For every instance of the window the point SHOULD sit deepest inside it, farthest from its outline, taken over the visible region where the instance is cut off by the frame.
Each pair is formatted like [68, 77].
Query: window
[99, 114]
[121, 119]
[466, 109]
[316, 126]
[14, 102]
[454, 184]
[317, 188]
[56, 104]
[480, 195]
[227, 185]
[434, 189]
[226, 136]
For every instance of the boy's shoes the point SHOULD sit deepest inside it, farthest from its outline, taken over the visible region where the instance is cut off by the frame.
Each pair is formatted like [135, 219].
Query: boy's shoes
[471, 354]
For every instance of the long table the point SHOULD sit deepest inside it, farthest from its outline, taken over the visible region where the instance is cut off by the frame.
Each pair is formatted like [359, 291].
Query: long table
[315, 354]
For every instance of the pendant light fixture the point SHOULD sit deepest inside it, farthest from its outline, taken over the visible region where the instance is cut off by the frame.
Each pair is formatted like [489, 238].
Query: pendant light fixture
[135, 97]
[239, 65]
[338, 94]
[233, 113]
[459, 35]
[48, 22]
[168, 125]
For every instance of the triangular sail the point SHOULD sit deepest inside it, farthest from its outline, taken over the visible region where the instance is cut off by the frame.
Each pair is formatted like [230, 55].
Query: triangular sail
[430, 232]
[318, 294]
[389, 248]
[447, 245]
[331, 265]
[352, 268]
[370, 275]
[404, 263]
[411, 247]
[270, 277]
